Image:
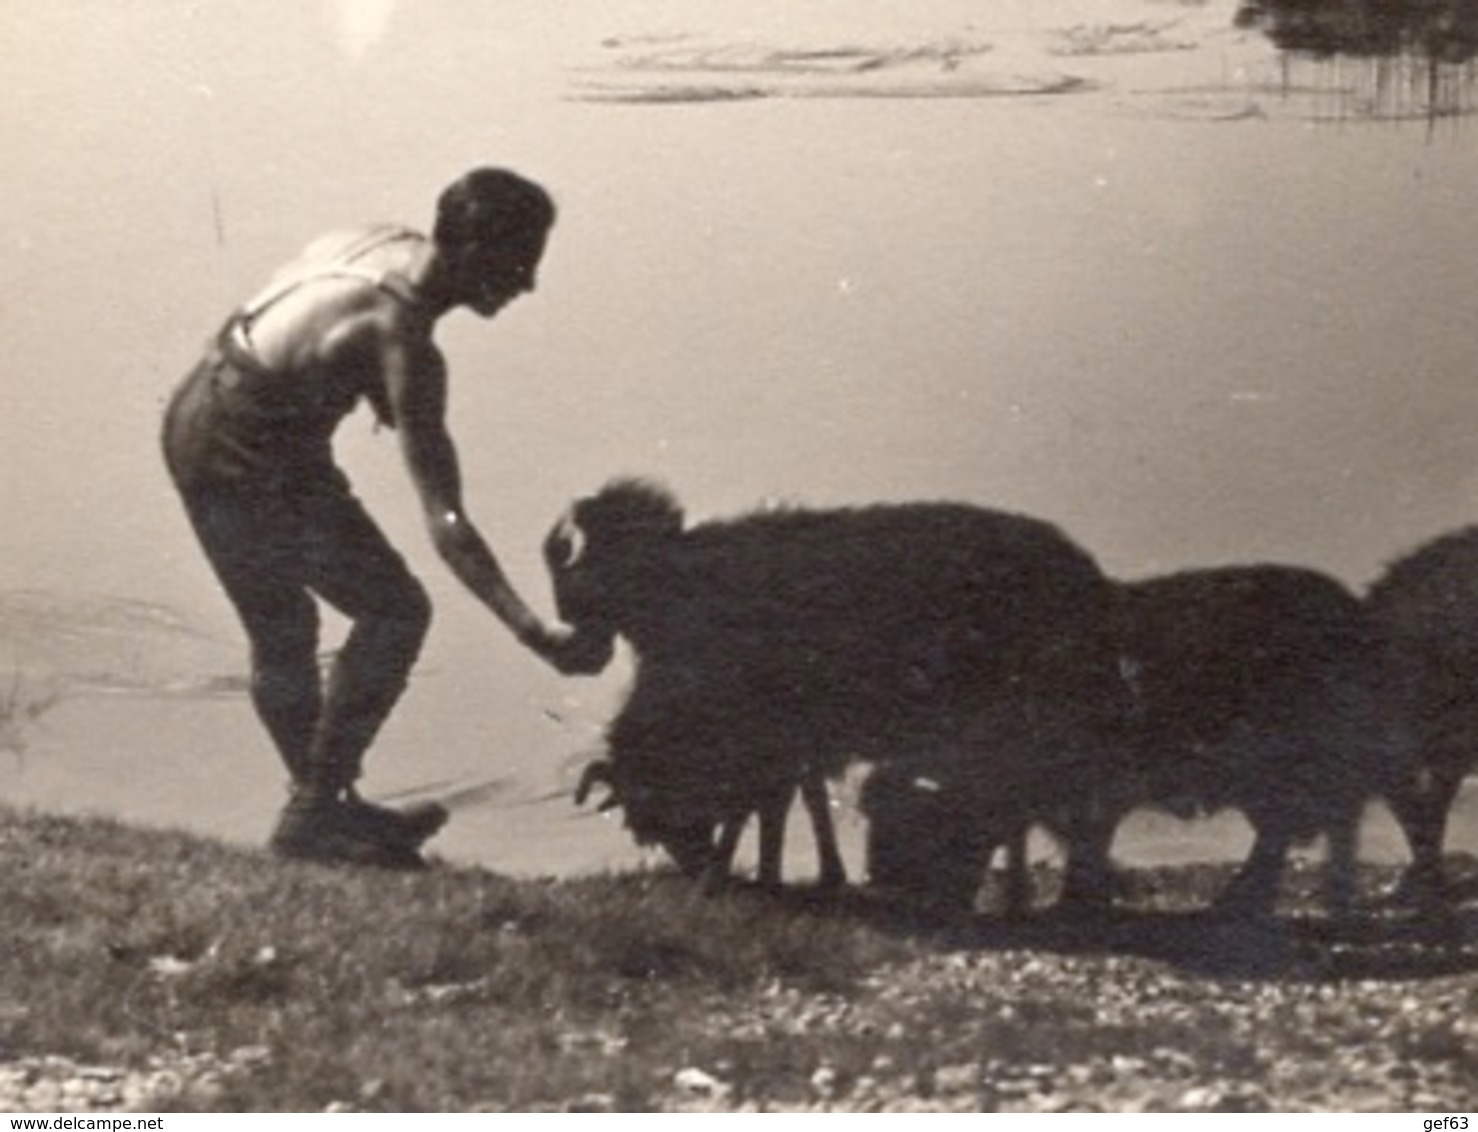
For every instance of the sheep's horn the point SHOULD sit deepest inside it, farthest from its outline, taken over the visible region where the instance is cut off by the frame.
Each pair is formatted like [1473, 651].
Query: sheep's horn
[570, 539]
[598, 773]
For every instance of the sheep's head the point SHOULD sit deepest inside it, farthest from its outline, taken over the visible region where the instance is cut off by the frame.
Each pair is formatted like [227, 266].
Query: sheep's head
[653, 814]
[590, 550]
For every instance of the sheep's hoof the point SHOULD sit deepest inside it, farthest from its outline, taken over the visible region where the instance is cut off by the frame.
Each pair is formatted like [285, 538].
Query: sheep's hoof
[1086, 899]
[713, 880]
[1239, 903]
[1416, 891]
[770, 886]
[1076, 910]
[832, 880]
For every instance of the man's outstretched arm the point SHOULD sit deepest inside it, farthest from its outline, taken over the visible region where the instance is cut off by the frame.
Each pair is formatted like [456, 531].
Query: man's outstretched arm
[416, 383]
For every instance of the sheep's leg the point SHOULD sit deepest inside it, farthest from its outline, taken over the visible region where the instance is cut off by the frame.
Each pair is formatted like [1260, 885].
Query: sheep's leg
[1339, 868]
[772, 813]
[817, 799]
[1255, 887]
[728, 841]
[720, 867]
[1421, 809]
[1018, 884]
[1088, 838]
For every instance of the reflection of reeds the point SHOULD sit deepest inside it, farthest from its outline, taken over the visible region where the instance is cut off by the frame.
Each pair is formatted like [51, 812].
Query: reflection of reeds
[1410, 59]
[1393, 89]
[20, 708]
[1444, 31]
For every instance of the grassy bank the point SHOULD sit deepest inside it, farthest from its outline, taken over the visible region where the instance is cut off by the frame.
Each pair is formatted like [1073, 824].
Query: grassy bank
[156, 970]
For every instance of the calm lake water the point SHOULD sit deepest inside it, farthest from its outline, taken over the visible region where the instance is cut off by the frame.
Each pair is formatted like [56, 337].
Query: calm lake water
[1124, 265]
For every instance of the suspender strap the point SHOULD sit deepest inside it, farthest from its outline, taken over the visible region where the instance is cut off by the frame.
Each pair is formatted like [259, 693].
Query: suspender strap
[343, 266]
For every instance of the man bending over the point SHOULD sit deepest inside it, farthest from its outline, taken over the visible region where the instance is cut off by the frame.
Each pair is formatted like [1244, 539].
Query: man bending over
[248, 441]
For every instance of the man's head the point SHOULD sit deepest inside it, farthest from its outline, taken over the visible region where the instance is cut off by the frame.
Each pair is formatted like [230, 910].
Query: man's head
[491, 225]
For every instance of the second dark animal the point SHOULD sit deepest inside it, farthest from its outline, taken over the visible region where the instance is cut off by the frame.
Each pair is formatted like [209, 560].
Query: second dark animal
[1260, 689]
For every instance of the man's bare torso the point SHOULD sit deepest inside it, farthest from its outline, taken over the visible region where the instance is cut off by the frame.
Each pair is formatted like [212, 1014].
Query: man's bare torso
[309, 317]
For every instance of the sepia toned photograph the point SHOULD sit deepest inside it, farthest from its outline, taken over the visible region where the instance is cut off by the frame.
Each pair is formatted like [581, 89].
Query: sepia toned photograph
[835, 556]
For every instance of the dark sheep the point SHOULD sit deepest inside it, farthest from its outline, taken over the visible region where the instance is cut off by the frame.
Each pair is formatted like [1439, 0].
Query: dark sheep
[1262, 691]
[1425, 609]
[774, 649]
[1255, 688]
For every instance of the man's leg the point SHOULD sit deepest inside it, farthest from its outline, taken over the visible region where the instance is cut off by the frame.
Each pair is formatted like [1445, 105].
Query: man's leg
[364, 683]
[316, 823]
[254, 542]
[250, 541]
[285, 686]
[354, 568]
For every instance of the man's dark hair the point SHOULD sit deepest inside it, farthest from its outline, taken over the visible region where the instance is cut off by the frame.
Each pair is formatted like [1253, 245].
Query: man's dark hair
[489, 204]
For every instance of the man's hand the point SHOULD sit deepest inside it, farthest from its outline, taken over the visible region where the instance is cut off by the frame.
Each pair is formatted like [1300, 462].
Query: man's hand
[574, 653]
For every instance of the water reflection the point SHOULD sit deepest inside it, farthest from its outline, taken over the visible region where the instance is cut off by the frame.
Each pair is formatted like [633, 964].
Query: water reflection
[1383, 59]
[55, 644]
[681, 68]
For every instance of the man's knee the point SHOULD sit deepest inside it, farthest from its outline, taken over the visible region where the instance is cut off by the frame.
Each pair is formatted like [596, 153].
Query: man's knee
[400, 625]
[414, 610]
[283, 636]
